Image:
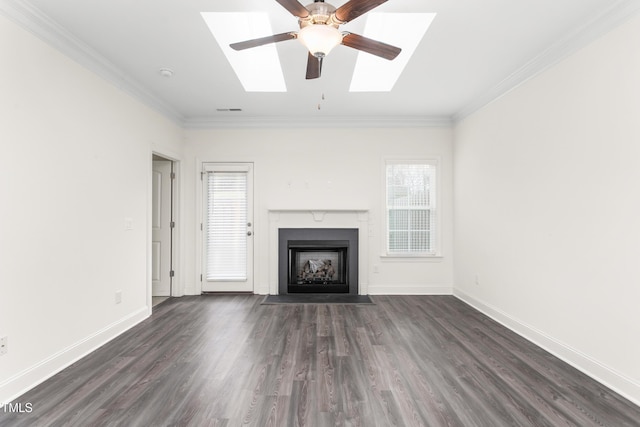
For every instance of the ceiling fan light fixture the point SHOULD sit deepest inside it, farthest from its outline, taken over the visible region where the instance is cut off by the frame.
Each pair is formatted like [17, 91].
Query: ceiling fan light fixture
[320, 38]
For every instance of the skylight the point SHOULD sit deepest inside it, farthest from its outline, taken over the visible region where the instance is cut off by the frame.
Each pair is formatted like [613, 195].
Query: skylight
[258, 68]
[405, 30]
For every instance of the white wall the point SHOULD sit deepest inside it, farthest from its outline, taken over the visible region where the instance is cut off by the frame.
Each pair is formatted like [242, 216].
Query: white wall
[547, 209]
[75, 162]
[325, 169]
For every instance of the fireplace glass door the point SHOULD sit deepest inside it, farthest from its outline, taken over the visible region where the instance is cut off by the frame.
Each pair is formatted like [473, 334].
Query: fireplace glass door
[318, 267]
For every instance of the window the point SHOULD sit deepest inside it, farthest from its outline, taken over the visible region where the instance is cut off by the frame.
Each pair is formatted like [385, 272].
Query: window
[411, 208]
[226, 226]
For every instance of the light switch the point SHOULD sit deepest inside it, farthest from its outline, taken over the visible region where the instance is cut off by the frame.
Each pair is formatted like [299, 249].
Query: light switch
[128, 223]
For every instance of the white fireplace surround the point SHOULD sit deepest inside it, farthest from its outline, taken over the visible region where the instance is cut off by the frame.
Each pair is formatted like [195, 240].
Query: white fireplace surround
[320, 218]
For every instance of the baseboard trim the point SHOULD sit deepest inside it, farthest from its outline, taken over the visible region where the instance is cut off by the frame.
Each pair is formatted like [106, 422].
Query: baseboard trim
[409, 290]
[621, 384]
[17, 385]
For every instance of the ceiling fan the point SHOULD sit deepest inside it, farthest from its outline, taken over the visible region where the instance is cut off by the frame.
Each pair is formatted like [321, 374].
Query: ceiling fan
[319, 22]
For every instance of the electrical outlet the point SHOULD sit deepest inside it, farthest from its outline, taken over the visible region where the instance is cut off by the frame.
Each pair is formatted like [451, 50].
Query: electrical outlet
[376, 268]
[118, 297]
[4, 345]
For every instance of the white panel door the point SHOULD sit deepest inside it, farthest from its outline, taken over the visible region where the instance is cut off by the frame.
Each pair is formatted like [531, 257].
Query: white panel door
[161, 229]
[228, 227]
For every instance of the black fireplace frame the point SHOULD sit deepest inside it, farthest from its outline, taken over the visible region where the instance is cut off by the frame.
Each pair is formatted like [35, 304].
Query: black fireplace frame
[345, 236]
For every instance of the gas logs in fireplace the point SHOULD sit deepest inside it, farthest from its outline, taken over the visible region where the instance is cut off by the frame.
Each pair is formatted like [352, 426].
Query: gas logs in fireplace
[314, 265]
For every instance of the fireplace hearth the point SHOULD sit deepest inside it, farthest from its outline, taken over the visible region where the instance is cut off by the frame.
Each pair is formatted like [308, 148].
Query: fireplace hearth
[318, 260]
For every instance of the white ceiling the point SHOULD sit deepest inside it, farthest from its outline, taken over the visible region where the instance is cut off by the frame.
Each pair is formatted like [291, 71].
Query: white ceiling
[473, 52]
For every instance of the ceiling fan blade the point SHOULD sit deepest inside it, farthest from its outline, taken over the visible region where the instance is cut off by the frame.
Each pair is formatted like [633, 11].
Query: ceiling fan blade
[354, 8]
[262, 41]
[314, 67]
[294, 7]
[373, 47]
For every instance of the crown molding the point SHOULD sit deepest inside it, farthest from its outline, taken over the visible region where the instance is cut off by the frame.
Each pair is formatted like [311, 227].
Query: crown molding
[33, 20]
[315, 122]
[600, 24]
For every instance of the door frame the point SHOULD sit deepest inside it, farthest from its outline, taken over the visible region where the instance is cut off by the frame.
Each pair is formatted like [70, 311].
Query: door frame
[202, 165]
[177, 283]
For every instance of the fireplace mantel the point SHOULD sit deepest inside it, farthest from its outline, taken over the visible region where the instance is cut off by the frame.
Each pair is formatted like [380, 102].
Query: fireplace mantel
[319, 218]
[319, 215]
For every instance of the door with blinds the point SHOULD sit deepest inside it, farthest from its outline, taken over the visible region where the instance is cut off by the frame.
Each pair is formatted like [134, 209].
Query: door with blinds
[228, 227]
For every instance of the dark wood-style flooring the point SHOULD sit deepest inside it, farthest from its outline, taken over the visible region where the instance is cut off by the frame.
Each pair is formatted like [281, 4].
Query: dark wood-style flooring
[406, 361]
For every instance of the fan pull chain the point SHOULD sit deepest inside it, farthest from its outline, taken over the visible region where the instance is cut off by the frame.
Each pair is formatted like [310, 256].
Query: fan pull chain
[320, 103]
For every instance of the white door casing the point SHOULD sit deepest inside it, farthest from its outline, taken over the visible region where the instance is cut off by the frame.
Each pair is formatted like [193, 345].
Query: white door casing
[228, 227]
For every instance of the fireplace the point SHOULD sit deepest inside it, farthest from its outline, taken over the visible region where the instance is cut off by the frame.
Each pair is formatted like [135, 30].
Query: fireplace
[318, 260]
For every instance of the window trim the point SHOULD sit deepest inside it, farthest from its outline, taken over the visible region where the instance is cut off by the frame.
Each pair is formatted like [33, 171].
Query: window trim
[436, 253]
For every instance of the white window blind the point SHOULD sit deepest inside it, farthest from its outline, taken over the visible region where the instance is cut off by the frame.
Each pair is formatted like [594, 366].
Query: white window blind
[226, 226]
[410, 207]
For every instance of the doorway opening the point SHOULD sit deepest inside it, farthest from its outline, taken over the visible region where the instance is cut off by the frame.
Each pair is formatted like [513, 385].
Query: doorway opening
[162, 226]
